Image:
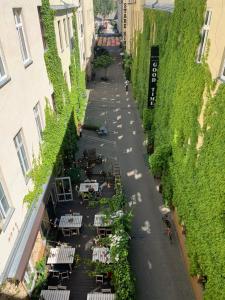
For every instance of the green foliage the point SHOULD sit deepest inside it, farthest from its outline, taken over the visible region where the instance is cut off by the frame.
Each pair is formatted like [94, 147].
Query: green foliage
[192, 177]
[148, 118]
[159, 159]
[59, 137]
[127, 64]
[42, 273]
[102, 61]
[118, 242]
[104, 7]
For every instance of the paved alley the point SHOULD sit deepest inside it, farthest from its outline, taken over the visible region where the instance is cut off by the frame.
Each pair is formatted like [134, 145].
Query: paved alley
[158, 267]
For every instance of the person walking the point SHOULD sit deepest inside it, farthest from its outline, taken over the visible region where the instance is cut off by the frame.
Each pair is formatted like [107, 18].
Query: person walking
[126, 86]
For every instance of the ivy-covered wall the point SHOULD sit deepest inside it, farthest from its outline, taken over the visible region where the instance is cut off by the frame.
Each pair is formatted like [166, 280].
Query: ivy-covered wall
[193, 177]
[57, 152]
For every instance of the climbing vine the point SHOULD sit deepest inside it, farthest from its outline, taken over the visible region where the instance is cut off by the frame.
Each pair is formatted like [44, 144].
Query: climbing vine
[57, 152]
[192, 172]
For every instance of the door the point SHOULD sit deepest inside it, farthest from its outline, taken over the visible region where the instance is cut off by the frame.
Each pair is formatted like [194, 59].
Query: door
[63, 189]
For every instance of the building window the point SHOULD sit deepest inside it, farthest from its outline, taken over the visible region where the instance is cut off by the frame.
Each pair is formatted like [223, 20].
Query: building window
[4, 205]
[65, 32]
[37, 116]
[18, 140]
[44, 41]
[60, 35]
[71, 26]
[30, 276]
[21, 34]
[204, 36]
[4, 77]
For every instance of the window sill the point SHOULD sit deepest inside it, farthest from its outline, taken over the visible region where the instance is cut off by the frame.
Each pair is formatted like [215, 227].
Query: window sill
[8, 218]
[4, 81]
[28, 63]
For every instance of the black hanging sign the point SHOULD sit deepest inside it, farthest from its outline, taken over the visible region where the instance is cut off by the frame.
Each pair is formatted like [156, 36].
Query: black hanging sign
[154, 64]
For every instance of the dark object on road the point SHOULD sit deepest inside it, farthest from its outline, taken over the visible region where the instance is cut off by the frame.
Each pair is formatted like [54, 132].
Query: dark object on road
[104, 79]
[100, 51]
[169, 234]
[102, 131]
[166, 221]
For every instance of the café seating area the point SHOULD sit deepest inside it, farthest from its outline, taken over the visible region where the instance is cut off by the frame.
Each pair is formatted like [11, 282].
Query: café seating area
[74, 229]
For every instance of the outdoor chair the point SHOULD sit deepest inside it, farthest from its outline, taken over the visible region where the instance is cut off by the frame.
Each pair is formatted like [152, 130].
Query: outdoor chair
[101, 232]
[52, 287]
[66, 232]
[74, 231]
[55, 274]
[65, 275]
[108, 231]
[76, 214]
[87, 180]
[106, 291]
[62, 287]
[99, 279]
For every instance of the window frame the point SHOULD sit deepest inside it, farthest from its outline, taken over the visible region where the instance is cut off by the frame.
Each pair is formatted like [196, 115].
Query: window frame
[222, 73]
[66, 32]
[24, 163]
[5, 216]
[5, 78]
[38, 119]
[3, 213]
[204, 36]
[60, 35]
[20, 28]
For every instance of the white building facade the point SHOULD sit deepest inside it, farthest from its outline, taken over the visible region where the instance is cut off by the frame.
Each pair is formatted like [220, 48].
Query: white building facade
[24, 90]
[24, 87]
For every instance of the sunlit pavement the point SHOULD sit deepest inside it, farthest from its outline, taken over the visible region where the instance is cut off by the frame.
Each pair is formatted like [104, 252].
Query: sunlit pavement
[157, 265]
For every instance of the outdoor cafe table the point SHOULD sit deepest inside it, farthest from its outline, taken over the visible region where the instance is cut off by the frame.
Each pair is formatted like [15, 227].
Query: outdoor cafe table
[86, 186]
[61, 255]
[100, 296]
[54, 295]
[100, 222]
[71, 222]
[101, 254]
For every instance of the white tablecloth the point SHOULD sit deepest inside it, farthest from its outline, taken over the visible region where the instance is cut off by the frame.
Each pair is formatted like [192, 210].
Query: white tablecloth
[54, 295]
[99, 221]
[62, 255]
[101, 254]
[84, 187]
[70, 221]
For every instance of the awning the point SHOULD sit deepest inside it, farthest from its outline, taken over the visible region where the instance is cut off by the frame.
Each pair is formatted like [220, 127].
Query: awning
[20, 254]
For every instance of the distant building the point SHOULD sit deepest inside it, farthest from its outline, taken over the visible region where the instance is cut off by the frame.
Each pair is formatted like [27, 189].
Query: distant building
[130, 17]
[89, 33]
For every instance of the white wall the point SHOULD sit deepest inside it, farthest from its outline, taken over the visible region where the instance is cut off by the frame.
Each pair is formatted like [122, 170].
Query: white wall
[65, 52]
[89, 30]
[17, 99]
[216, 56]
